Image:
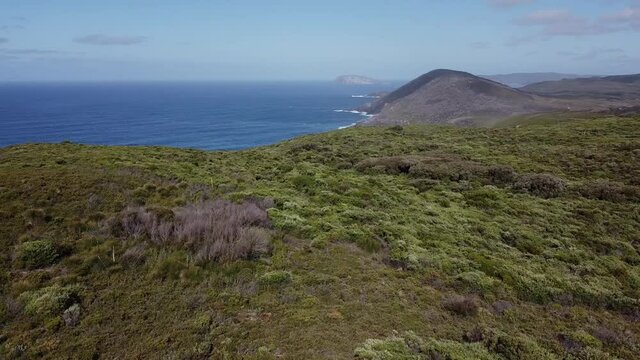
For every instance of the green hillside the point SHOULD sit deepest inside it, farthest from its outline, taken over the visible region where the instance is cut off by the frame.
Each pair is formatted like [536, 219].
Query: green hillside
[419, 242]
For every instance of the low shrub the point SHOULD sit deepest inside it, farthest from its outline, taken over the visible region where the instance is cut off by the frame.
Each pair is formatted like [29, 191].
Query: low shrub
[516, 347]
[475, 335]
[542, 185]
[461, 305]
[502, 306]
[170, 267]
[34, 215]
[50, 301]
[304, 182]
[411, 347]
[609, 191]
[501, 174]
[486, 198]
[134, 256]
[71, 316]
[36, 254]
[607, 335]
[275, 277]
[429, 166]
[424, 184]
[586, 339]
[388, 165]
[454, 170]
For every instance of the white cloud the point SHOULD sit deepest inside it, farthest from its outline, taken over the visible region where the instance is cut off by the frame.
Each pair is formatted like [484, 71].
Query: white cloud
[508, 3]
[106, 40]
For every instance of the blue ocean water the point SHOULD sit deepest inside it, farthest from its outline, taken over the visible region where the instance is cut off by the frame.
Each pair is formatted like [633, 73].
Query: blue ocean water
[195, 115]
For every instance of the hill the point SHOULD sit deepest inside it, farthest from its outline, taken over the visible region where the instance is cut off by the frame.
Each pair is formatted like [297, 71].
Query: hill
[620, 88]
[518, 80]
[447, 96]
[380, 242]
[356, 80]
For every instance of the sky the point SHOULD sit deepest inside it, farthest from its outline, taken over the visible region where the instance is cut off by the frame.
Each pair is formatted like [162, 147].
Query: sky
[244, 40]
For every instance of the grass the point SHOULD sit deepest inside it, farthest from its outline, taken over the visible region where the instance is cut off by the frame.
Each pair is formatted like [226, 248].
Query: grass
[380, 242]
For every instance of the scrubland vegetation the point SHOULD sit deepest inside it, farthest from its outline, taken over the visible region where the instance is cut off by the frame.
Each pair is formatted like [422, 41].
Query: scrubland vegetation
[397, 242]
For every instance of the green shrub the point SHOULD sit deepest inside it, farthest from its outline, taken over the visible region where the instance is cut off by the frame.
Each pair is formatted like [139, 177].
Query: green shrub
[486, 198]
[542, 185]
[275, 277]
[424, 184]
[586, 339]
[170, 267]
[201, 323]
[37, 254]
[590, 353]
[50, 301]
[304, 182]
[454, 170]
[412, 347]
[516, 347]
[530, 246]
[476, 281]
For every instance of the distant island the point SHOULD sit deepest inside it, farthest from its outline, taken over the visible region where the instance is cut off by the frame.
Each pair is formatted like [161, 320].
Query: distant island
[356, 80]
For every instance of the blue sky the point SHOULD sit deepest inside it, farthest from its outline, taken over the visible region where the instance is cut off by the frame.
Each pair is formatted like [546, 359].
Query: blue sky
[312, 40]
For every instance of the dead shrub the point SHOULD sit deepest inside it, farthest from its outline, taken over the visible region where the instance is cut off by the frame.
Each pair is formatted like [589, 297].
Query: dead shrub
[71, 316]
[462, 305]
[457, 170]
[213, 230]
[12, 306]
[94, 202]
[134, 256]
[607, 335]
[431, 166]
[501, 174]
[542, 185]
[501, 306]
[388, 165]
[609, 191]
[474, 335]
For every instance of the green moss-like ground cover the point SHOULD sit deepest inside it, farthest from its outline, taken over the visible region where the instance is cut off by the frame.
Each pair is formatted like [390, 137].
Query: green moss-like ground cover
[387, 243]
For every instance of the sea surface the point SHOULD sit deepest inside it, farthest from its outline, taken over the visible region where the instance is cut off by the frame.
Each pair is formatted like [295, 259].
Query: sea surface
[207, 115]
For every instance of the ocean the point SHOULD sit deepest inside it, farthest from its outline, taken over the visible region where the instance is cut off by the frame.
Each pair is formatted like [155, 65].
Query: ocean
[207, 115]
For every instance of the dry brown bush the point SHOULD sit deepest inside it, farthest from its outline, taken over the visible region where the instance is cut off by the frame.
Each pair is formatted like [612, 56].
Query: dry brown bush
[542, 185]
[609, 191]
[217, 230]
[462, 305]
[429, 166]
[501, 174]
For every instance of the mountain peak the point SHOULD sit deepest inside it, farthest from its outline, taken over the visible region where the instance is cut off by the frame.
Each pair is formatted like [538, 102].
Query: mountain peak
[451, 96]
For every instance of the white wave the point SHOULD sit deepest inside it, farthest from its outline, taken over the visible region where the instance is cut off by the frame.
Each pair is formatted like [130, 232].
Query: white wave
[365, 96]
[347, 126]
[361, 113]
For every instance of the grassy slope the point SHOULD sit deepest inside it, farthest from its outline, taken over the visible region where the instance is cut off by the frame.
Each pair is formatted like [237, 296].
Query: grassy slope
[370, 253]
